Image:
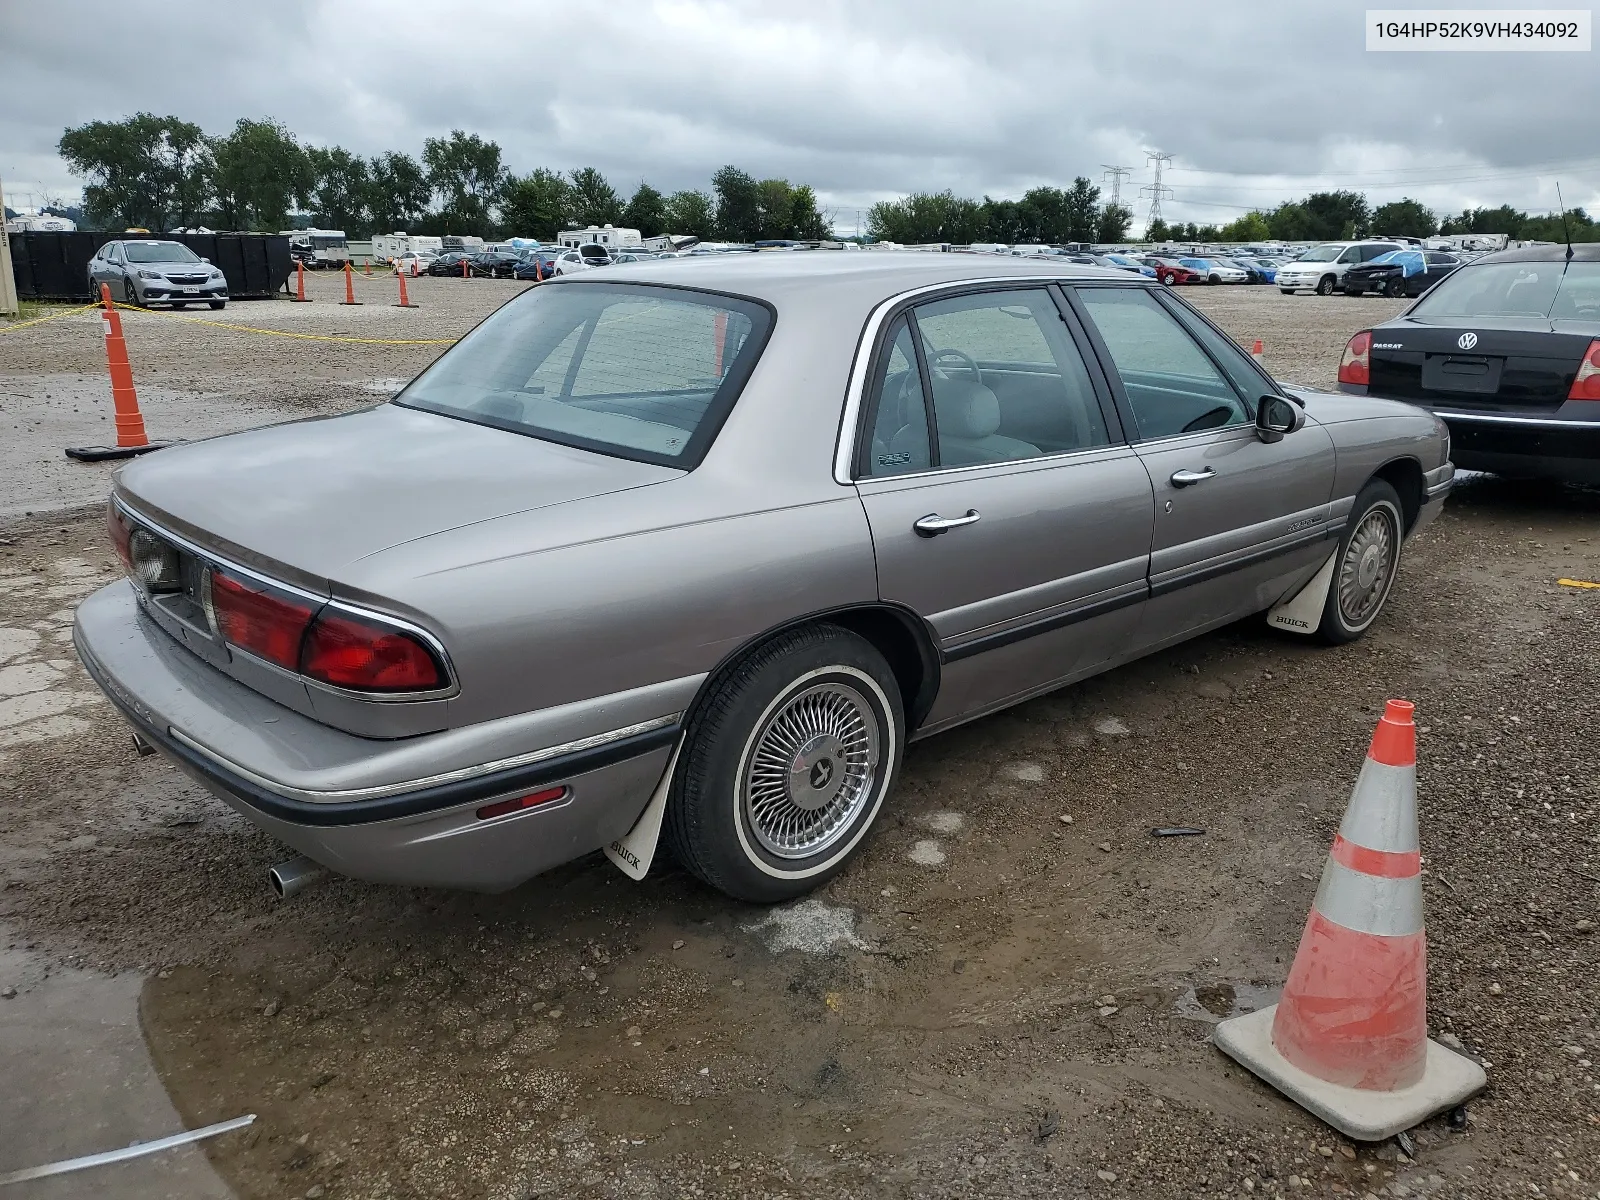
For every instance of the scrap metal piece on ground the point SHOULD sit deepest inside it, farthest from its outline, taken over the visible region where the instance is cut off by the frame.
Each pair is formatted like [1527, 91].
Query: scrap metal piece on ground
[1578, 583]
[137, 1150]
[1177, 831]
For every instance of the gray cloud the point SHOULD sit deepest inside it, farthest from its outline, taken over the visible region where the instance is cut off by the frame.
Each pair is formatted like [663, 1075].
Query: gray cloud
[1259, 102]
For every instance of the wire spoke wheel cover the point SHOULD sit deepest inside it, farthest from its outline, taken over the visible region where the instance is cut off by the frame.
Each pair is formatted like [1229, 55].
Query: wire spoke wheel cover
[1368, 566]
[811, 769]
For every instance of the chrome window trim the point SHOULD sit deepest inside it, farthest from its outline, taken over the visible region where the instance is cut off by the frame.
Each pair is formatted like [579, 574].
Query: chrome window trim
[212, 560]
[855, 390]
[1040, 461]
[329, 796]
[1500, 419]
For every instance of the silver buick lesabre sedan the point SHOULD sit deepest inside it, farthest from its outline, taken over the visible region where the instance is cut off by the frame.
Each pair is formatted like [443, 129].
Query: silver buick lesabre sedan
[689, 553]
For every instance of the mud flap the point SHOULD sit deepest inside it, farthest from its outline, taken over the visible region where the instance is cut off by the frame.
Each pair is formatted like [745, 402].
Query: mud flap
[635, 850]
[1302, 612]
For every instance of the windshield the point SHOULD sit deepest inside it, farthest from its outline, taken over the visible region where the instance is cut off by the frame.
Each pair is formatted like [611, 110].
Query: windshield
[1558, 290]
[1321, 254]
[159, 252]
[646, 373]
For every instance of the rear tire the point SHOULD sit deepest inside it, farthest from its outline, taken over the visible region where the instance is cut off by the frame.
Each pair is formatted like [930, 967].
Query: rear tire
[218, 305]
[1365, 567]
[787, 765]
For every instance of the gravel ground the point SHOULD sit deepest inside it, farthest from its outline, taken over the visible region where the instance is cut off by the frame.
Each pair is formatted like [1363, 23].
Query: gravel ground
[992, 1001]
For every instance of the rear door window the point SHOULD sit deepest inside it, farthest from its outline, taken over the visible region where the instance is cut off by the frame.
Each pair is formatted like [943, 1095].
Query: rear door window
[1172, 386]
[900, 442]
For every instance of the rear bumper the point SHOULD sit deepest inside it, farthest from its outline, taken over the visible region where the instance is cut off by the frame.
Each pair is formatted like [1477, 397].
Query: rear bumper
[423, 835]
[1534, 447]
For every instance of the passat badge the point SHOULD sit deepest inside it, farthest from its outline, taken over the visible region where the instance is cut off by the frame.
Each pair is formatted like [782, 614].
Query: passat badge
[1467, 341]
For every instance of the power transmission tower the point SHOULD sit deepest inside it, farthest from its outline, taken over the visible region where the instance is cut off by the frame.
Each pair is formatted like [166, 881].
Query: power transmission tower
[1115, 174]
[1157, 191]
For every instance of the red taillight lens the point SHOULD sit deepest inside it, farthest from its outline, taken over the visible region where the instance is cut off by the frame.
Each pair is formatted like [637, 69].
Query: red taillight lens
[120, 533]
[1586, 386]
[267, 623]
[351, 653]
[1354, 366]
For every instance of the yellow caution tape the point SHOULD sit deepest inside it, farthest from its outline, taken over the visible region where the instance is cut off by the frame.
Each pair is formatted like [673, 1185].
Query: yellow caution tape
[1579, 583]
[308, 337]
[52, 317]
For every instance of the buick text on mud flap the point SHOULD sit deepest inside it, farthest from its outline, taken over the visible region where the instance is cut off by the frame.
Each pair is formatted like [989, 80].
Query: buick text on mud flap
[622, 851]
[1295, 621]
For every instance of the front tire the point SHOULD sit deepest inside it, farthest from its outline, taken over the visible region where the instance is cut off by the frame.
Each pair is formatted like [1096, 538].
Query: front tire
[129, 294]
[787, 765]
[218, 305]
[1366, 564]
[1325, 285]
[1169, 279]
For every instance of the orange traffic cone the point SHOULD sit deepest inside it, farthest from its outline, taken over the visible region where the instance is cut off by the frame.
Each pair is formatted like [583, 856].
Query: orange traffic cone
[299, 296]
[1348, 1040]
[464, 274]
[366, 267]
[349, 286]
[131, 437]
[404, 302]
[1256, 352]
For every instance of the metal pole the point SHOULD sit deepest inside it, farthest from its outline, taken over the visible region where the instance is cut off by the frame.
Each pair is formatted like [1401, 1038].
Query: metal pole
[8, 281]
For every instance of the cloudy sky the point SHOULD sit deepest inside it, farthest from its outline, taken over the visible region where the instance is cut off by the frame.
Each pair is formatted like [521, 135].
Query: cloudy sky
[1256, 101]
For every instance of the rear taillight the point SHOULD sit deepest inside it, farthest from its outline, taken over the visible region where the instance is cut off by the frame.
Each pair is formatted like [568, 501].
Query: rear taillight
[268, 623]
[120, 533]
[351, 653]
[1586, 385]
[521, 803]
[1354, 366]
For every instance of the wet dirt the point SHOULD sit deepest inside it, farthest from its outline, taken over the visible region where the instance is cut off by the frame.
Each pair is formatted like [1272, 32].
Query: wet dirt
[990, 1001]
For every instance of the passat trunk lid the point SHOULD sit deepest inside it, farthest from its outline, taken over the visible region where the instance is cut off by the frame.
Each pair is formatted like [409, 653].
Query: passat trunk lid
[1519, 364]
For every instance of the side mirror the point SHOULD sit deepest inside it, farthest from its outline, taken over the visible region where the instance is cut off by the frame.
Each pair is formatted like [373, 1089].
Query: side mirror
[1276, 417]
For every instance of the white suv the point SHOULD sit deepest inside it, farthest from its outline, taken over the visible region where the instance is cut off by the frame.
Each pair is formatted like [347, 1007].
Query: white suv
[1321, 269]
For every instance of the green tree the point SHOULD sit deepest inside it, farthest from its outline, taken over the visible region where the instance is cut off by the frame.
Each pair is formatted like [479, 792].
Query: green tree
[536, 204]
[1000, 221]
[806, 221]
[1504, 219]
[592, 200]
[691, 214]
[738, 205]
[646, 212]
[262, 173]
[398, 193]
[1252, 227]
[1080, 211]
[924, 217]
[1290, 222]
[341, 187]
[1551, 228]
[1113, 224]
[466, 172]
[144, 171]
[1158, 231]
[1404, 218]
[1337, 214]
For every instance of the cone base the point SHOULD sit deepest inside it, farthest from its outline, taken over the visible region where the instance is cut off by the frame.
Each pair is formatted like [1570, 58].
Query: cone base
[102, 453]
[405, 306]
[1363, 1115]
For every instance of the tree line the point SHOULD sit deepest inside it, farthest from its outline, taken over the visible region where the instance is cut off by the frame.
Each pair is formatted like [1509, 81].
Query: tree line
[1044, 214]
[1328, 216]
[163, 173]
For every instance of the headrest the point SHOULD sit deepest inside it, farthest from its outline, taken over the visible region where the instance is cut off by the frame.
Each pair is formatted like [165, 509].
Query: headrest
[964, 408]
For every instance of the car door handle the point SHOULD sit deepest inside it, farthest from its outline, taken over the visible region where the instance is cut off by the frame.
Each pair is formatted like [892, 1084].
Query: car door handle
[1183, 479]
[933, 524]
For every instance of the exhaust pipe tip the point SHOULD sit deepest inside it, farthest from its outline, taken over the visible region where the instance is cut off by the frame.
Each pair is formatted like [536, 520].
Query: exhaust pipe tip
[287, 878]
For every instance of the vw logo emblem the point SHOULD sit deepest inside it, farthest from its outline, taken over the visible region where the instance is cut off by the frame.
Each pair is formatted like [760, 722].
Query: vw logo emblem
[1467, 341]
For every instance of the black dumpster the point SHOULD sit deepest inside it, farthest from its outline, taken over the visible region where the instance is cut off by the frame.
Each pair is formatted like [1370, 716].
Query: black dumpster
[55, 266]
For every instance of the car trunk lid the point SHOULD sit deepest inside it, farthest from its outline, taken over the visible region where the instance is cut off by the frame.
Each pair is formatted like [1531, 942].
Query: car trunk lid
[303, 501]
[1493, 364]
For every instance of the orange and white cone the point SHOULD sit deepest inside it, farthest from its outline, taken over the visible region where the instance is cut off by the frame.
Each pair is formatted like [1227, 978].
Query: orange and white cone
[1348, 1040]
[1257, 352]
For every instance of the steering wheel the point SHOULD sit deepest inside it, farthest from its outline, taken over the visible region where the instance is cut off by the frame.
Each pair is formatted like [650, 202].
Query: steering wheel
[1210, 419]
[967, 361]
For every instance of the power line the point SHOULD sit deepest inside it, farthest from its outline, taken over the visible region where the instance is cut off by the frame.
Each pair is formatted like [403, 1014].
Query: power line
[1157, 190]
[1115, 174]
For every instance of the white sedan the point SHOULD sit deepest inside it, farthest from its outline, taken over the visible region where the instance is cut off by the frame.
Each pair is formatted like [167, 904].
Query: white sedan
[413, 262]
[1214, 271]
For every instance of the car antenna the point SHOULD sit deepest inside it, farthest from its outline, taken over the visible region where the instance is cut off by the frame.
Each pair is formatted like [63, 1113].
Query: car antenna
[1562, 204]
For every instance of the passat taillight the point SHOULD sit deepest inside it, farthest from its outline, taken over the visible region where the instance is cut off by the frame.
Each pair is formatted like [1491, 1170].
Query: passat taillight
[1586, 385]
[1355, 367]
[264, 621]
[351, 653]
[120, 533]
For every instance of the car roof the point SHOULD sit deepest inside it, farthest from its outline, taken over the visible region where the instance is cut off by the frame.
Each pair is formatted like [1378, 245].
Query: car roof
[1556, 252]
[871, 276]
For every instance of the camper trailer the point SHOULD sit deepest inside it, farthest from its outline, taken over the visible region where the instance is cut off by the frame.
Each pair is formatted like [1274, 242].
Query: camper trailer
[319, 248]
[608, 236]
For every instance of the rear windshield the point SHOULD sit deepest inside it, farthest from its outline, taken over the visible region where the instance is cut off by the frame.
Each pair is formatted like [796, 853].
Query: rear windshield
[640, 372]
[159, 252]
[1556, 290]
